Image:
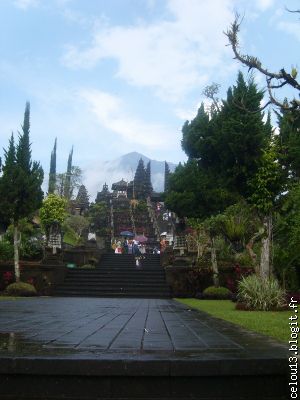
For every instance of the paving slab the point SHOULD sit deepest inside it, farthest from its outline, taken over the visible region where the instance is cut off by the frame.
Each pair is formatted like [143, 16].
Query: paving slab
[141, 338]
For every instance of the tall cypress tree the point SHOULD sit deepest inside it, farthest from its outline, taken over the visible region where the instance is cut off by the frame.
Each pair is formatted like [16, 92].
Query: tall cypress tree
[67, 186]
[52, 173]
[20, 184]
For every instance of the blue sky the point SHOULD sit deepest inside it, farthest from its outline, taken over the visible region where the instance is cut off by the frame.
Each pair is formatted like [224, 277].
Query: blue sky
[115, 76]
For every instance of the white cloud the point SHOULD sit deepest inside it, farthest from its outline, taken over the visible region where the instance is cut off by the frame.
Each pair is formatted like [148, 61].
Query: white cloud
[291, 27]
[264, 4]
[171, 56]
[25, 4]
[111, 113]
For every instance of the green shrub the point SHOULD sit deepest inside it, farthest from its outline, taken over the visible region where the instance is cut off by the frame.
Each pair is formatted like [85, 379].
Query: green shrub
[20, 289]
[6, 250]
[257, 293]
[217, 293]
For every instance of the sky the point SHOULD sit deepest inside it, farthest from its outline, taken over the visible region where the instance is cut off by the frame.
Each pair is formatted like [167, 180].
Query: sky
[115, 76]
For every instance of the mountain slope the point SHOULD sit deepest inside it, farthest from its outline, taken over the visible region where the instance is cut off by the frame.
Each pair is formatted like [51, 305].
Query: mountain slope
[123, 167]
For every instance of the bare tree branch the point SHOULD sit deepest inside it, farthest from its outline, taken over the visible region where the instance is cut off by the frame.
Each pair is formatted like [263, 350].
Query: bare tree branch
[282, 77]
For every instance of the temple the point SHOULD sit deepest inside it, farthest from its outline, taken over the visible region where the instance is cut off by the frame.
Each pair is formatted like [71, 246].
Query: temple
[134, 206]
[140, 188]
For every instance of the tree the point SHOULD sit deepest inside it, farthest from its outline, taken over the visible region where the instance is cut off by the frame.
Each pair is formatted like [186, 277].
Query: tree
[67, 181]
[194, 132]
[196, 192]
[20, 184]
[266, 186]
[99, 217]
[53, 210]
[241, 136]
[287, 239]
[52, 173]
[224, 152]
[73, 183]
[288, 142]
[78, 224]
[274, 80]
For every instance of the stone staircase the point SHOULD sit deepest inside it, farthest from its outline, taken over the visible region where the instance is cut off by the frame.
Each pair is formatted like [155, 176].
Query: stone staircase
[117, 276]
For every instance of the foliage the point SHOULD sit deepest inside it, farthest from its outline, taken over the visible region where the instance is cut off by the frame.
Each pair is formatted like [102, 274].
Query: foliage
[269, 323]
[68, 190]
[77, 223]
[98, 217]
[225, 152]
[6, 250]
[221, 293]
[53, 210]
[267, 184]
[288, 143]
[30, 243]
[67, 183]
[287, 239]
[140, 206]
[241, 137]
[258, 293]
[70, 237]
[52, 172]
[194, 192]
[274, 80]
[20, 184]
[20, 289]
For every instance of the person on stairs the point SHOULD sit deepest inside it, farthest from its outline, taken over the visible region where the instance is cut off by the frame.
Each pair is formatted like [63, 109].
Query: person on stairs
[137, 254]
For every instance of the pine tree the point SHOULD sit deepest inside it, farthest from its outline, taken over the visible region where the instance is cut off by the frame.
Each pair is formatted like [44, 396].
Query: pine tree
[67, 184]
[241, 136]
[289, 143]
[194, 132]
[20, 184]
[52, 173]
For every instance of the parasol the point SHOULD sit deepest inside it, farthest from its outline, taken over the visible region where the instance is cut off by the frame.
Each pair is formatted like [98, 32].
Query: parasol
[126, 233]
[141, 238]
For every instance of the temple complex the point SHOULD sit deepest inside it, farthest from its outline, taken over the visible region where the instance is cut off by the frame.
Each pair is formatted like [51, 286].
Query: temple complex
[135, 207]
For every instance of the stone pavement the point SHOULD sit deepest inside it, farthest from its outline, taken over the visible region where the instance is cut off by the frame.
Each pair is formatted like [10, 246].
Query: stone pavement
[136, 337]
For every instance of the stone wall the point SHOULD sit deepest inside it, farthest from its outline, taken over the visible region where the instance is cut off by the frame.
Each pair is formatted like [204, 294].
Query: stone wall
[43, 276]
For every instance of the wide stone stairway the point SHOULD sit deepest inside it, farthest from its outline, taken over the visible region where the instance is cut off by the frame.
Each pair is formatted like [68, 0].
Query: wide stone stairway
[117, 276]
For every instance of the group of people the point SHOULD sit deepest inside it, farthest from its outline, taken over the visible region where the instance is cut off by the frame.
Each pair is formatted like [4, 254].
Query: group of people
[130, 246]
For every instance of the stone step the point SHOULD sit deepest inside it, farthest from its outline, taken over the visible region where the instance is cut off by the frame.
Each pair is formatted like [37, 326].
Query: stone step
[117, 275]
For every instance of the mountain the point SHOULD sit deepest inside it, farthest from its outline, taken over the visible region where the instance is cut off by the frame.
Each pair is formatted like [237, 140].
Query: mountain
[123, 167]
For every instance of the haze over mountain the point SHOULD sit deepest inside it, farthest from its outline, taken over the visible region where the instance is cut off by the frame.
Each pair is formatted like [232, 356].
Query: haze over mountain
[123, 167]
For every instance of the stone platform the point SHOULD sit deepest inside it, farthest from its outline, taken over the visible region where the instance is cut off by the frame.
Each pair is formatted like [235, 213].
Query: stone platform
[86, 348]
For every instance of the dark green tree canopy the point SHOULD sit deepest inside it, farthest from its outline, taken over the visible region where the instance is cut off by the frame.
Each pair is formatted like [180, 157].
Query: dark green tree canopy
[225, 151]
[20, 184]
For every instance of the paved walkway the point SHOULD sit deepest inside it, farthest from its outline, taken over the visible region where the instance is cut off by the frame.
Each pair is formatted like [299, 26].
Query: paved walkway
[133, 326]
[142, 349]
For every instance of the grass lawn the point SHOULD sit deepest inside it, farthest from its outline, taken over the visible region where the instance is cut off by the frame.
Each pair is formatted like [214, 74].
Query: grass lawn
[8, 297]
[270, 323]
